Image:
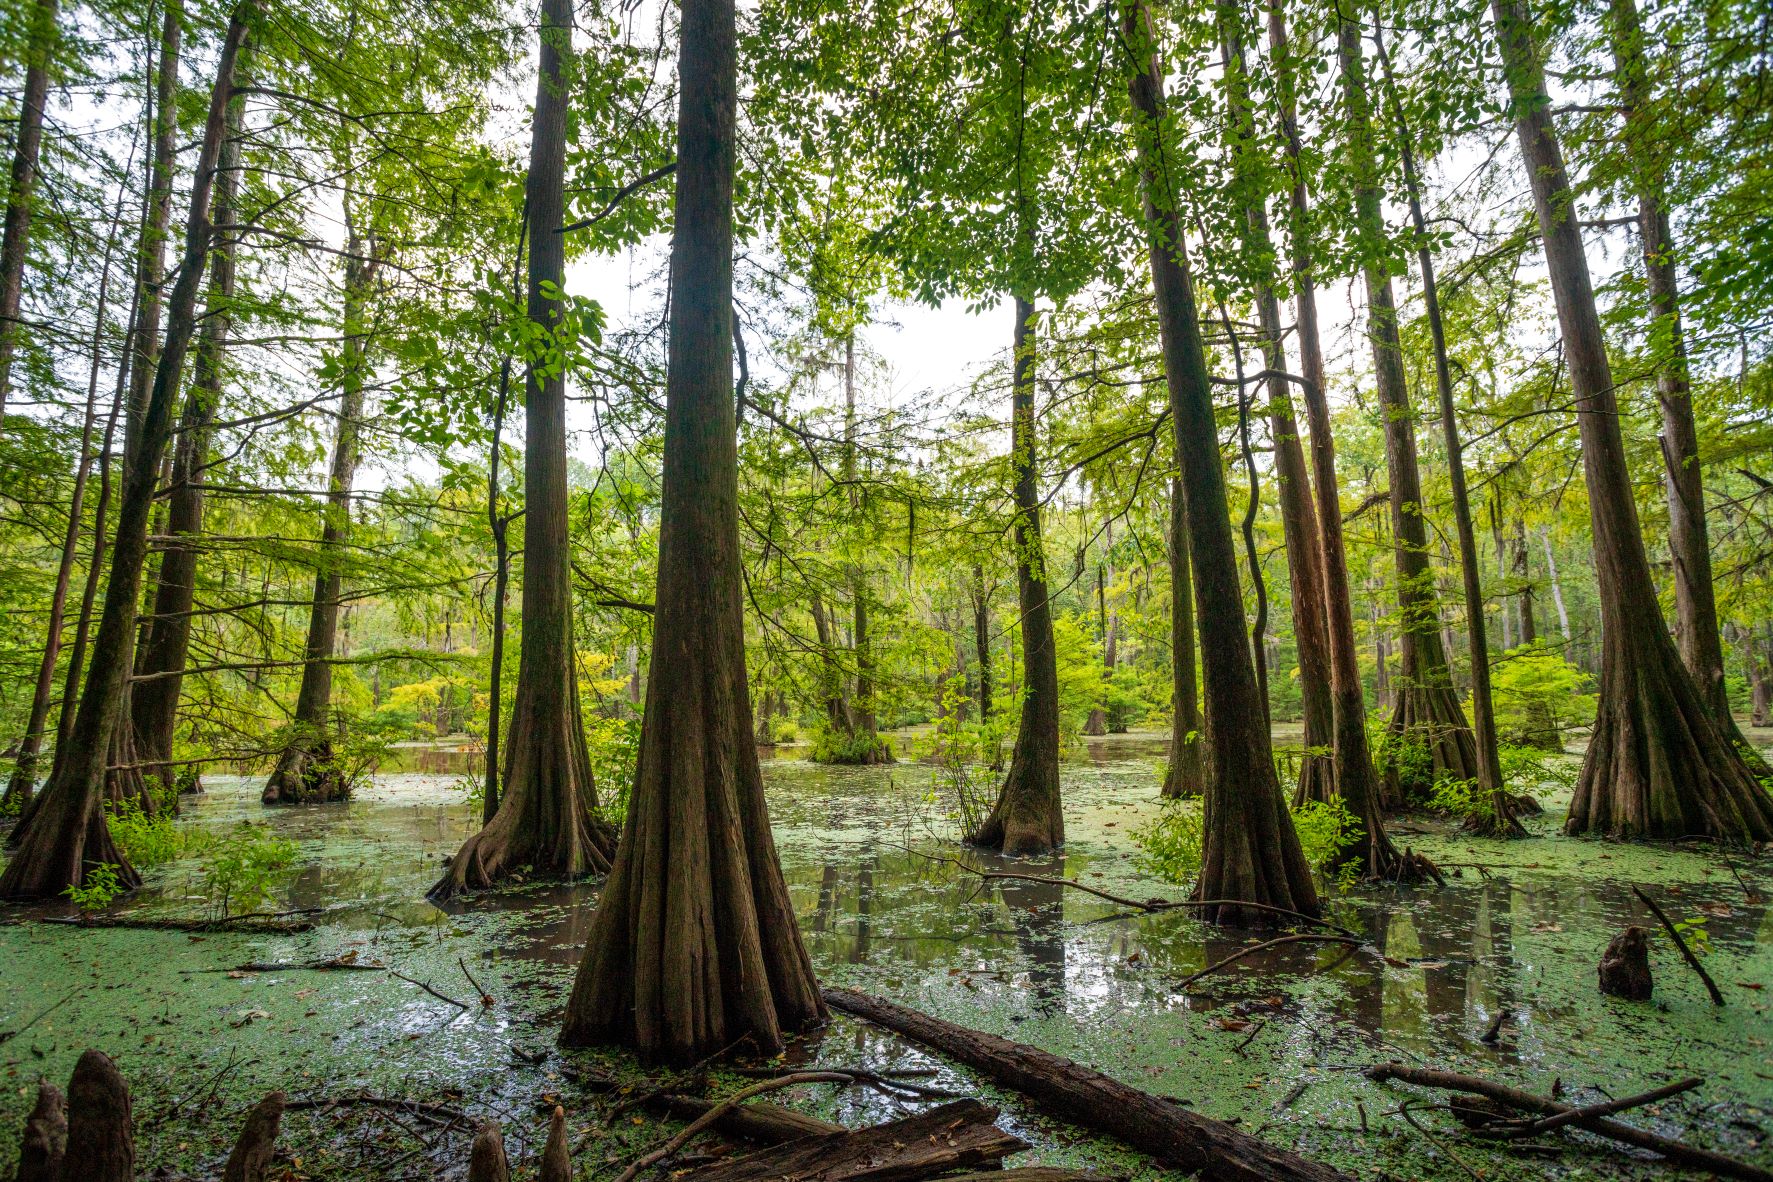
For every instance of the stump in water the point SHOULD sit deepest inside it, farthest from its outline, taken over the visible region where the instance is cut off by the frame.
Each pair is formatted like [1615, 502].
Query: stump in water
[101, 1137]
[486, 1158]
[1625, 965]
[557, 1155]
[258, 1141]
[45, 1137]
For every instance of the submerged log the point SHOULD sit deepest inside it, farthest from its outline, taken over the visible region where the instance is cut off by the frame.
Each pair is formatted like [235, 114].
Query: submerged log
[45, 1137]
[251, 1157]
[1625, 965]
[1674, 1151]
[960, 1135]
[769, 1124]
[101, 1136]
[1152, 1124]
[486, 1157]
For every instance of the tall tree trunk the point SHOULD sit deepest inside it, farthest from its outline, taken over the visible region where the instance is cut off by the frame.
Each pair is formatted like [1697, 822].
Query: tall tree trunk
[1028, 817]
[27, 145]
[982, 639]
[1250, 851]
[1557, 590]
[65, 834]
[1299, 526]
[1186, 773]
[1657, 763]
[155, 699]
[1427, 709]
[1760, 679]
[1097, 722]
[1500, 820]
[836, 701]
[1696, 610]
[547, 813]
[1356, 781]
[23, 783]
[866, 746]
[307, 771]
[1524, 580]
[694, 942]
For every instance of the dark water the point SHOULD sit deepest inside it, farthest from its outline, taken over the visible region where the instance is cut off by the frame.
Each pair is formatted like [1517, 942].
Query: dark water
[1274, 1042]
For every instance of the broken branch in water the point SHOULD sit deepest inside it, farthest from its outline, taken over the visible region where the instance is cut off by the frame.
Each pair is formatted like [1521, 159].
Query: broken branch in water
[1605, 1108]
[1674, 934]
[1241, 953]
[486, 999]
[1674, 1151]
[1141, 905]
[460, 1005]
[725, 1106]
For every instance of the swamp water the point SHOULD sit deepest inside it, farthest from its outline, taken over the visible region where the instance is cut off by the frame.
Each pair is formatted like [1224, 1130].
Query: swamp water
[1275, 1042]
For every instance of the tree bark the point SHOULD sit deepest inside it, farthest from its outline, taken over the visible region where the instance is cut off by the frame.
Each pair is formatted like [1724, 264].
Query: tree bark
[1500, 821]
[546, 817]
[66, 833]
[1523, 576]
[1355, 779]
[694, 942]
[307, 771]
[27, 145]
[154, 704]
[982, 639]
[1697, 634]
[1179, 1139]
[1427, 708]
[958, 1135]
[1028, 817]
[23, 784]
[1657, 763]
[1251, 852]
[1186, 773]
[101, 1127]
[1299, 526]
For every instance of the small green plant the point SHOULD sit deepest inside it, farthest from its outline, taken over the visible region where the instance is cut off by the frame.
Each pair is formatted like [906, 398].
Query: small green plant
[97, 890]
[834, 746]
[614, 746]
[1326, 830]
[955, 749]
[1695, 933]
[146, 838]
[1408, 758]
[472, 786]
[240, 867]
[1170, 847]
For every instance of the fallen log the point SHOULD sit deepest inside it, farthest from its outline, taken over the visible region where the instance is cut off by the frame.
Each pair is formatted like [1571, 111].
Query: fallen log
[956, 1136]
[45, 1137]
[761, 1121]
[1029, 1174]
[251, 1158]
[1152, 1124]
[273, 924]
[1674, 1151]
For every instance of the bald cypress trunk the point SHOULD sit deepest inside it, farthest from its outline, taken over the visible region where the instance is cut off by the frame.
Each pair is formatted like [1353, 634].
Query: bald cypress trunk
[1186, 773]
[1299, 527]
[66, 834]
[546, 819]
[155, 700]
[1427, 710]
[1028, 817]
[27, 146]
[1250, 851]
[1696, 634]
[307, 771]
[982, 639]
[694, 942]
[1356, 781]
[1657, 763]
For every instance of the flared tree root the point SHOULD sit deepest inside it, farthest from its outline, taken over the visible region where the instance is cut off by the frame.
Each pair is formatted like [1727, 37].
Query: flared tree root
[307, 773]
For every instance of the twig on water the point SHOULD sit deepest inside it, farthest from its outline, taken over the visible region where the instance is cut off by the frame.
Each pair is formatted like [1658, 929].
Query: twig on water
[460, 1005]
[486, 999]
[1668, 926]
[1241, 953]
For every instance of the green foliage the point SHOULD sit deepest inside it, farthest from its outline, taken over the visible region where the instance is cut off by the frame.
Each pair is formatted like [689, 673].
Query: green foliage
[1538, 696]
[614, 747]
[1326, 830]
[1407, 757]
[242, 864]
[146, 839]
[1170, 846]
[839, 747]
[955, 749]
[98, 888]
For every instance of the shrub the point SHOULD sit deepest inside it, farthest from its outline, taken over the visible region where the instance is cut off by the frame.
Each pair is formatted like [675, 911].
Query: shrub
[241, 865]
[1170, 846]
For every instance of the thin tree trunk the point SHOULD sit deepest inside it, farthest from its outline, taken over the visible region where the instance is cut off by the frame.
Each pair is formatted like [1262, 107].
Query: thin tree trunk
[27, 144]
[1657, 763]
[1760, 679]
[65, 834]
[1186, 773]
[865, 746]
[154, 703]
[307, 771]
[23, 783]
[1500, 821]
[1427, 708]
[1557, 590]
[1524, 580]
[982, 639]
[1696, 609]
[1299, 526]
[1028, 817]
[694, 942]
[546, 818]
[1356, 781]
[1250, 850]
[836, 701]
